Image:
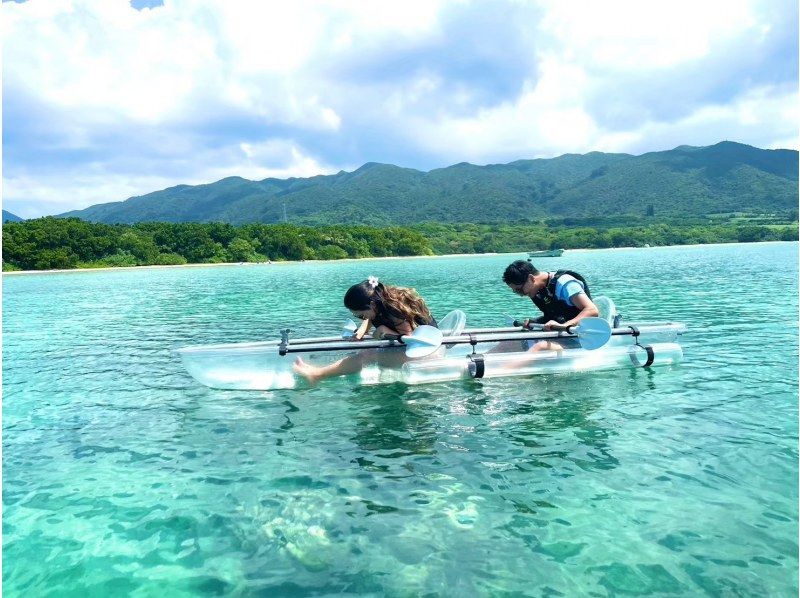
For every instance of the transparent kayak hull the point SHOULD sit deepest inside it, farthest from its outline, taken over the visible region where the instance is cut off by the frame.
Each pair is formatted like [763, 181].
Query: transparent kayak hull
[250, 366]
[260, 366]
[495, 365]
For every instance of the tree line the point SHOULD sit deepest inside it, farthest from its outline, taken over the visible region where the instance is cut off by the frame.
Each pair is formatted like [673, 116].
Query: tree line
[478, 238]
[66, 243]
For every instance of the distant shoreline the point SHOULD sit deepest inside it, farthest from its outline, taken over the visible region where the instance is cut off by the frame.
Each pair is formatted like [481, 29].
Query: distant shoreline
[275, 263]
[391, 257]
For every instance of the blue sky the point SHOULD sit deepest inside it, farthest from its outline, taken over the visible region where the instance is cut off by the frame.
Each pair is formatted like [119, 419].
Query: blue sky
[107, 99]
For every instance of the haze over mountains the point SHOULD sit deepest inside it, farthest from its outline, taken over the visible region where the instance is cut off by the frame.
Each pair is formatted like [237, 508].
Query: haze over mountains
[726, 177]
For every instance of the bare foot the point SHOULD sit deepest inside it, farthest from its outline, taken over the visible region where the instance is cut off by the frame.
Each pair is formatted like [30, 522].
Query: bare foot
[306, 370]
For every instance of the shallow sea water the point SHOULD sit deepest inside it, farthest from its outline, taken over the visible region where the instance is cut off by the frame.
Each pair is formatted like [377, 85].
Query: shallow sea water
[122, 476]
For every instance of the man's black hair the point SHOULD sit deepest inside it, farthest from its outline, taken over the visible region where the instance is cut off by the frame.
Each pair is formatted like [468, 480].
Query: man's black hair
[517, 272]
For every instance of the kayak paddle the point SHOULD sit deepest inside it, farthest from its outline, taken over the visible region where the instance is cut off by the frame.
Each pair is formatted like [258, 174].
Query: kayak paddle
[593, 333]
[349, 329]
[420, 343]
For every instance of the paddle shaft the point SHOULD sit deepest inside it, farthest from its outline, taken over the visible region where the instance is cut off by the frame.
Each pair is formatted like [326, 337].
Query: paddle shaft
[472, 337]
[398, 342]
[518, 329]
[532, 326]
[479, 335]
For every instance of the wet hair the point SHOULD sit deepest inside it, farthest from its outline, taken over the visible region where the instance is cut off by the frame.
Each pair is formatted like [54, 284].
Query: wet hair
[388, 301]
[517, 272]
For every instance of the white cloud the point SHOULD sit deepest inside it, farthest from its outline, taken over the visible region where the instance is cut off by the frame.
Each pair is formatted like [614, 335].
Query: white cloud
[512, 131]
[556, 111]
[545, 122]
[165, 64]
[759, 116]
[131, 101]
[53, 193]
[636, 34]
[547, 118]
[276, 158]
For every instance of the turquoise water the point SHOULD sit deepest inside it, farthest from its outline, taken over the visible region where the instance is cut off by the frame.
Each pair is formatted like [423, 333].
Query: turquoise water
[121, 476]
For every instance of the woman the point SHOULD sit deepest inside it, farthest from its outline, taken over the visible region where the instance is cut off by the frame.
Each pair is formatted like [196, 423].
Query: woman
[391, 310]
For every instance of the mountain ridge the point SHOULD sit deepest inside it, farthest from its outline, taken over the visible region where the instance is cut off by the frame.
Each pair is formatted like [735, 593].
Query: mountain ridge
[725, 177]
[9, 217]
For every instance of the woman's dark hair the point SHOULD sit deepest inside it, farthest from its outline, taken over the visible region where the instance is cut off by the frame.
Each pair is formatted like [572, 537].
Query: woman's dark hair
[395, 302]
[517, 272]
[359, 296]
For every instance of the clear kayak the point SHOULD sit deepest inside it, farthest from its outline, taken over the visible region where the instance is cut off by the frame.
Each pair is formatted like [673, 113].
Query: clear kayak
[461, 354]
[267, 365]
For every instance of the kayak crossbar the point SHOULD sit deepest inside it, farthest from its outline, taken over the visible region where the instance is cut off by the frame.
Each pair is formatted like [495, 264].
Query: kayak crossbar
[474, 336]
[340, 346]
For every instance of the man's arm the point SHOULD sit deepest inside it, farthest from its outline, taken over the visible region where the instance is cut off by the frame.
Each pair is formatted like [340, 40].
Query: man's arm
[582, 302]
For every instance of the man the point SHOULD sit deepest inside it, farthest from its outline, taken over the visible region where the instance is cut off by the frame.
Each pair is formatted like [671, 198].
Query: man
[562, 296]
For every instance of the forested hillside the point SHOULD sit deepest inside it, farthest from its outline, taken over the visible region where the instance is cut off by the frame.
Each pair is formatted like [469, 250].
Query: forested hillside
[683, 182]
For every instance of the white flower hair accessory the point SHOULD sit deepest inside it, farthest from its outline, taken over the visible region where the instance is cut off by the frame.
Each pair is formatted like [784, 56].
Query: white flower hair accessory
[372, 281]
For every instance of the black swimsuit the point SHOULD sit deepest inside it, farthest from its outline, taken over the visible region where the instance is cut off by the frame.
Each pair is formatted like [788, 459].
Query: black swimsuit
[385, 320]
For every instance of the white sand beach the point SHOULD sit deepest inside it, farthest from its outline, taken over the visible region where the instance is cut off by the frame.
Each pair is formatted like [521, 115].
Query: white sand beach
[251, 264]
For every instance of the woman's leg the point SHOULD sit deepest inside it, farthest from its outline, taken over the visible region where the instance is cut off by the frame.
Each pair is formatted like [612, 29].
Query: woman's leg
[313, 373]
[545, 346]
[390, 358]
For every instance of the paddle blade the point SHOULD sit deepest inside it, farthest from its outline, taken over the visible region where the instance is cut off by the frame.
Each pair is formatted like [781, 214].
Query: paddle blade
[423, 341]
[349, 328]
[593, 333]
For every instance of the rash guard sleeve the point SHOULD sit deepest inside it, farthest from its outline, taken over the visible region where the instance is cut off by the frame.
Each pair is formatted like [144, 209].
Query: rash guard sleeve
[567, 287]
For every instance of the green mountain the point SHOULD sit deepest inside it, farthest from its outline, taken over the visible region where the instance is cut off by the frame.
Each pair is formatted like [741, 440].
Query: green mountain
[686, 181]
[9, 217]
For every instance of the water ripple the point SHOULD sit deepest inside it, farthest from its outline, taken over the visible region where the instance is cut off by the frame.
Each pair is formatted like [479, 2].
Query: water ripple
[121, 476]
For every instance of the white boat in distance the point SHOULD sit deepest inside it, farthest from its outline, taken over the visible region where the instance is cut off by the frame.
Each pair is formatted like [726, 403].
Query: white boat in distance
[546, 253]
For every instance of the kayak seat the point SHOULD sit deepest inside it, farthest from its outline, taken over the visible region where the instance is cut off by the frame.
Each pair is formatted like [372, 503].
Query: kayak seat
[453, 323]
[607, 309]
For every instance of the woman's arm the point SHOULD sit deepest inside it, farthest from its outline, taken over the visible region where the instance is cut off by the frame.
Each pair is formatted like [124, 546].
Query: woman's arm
[403, 328]
[362, 330]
